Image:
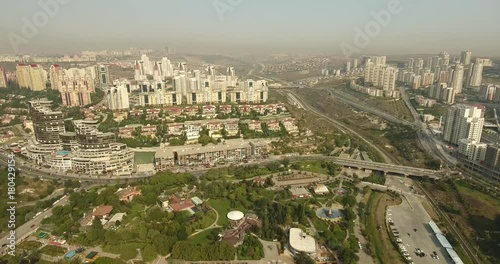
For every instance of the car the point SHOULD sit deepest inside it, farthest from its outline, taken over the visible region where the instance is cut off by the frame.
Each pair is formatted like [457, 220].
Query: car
[32, 226]
[414, 229]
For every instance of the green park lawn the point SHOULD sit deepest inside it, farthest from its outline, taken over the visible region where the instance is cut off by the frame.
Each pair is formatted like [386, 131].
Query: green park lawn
[202, 237]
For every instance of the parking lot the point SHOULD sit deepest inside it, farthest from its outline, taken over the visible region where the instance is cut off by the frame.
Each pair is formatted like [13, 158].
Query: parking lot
[410, 225]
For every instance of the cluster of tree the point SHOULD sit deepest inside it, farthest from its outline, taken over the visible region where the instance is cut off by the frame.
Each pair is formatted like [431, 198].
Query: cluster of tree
[109, 125]
[266, 133]
[242, 172]
[96, 97]
[208, 252]
[375, 177]
[251, 248]
[205, 138]
[14, 89]
[140, 141]
[404, 139]
[178, 141]
[303, 258]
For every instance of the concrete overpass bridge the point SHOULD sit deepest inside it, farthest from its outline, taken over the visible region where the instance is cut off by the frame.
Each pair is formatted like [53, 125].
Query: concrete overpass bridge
[377, 166]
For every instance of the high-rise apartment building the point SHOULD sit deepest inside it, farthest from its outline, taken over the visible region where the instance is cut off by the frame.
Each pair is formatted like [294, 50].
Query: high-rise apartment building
[47, 124]
[465, 57]
[3, 77]
[472, 150]
[31, 76]
[117, 96]
[463, 122]
[102, 73]
[443, 93]
[193, 87]
[380, 75]
[477, 73]
[457, 81]
[444, 59]
[75, 85]
[492, 156]
[488, 91]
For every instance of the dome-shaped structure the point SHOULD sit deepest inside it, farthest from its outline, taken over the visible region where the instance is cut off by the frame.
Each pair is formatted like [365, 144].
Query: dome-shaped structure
[235, 215]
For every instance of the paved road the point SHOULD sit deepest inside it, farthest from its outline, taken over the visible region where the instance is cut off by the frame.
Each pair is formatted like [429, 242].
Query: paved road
[58, 192]
[363, 254]
[29, 227]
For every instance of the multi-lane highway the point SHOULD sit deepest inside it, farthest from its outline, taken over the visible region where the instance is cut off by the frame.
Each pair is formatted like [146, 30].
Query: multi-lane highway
[378, 166]
[21, 232]
[342, 127]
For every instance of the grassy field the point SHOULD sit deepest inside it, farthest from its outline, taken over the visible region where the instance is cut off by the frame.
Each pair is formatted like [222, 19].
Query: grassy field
[52, 250]
[202, 237]
[206, 221]
[475, 211]
[223, 206]
[144, 157]
[30, 245]
[106, 260]
[376, 230]
[312, 166]
[395, 107]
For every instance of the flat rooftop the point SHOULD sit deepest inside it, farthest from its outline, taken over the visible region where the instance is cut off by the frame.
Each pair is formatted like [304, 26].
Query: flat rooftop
[302, 242]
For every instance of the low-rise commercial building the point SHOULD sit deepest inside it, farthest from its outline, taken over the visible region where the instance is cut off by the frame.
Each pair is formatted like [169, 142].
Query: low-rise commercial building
[230, 150]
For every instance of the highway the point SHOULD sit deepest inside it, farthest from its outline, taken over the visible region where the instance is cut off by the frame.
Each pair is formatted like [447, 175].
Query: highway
[425, 137]
[363, 107]
[343, 128]
[29, 227]
[378, 166]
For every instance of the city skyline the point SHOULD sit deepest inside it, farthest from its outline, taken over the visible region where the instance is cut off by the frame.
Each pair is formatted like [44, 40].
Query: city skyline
[238, 27]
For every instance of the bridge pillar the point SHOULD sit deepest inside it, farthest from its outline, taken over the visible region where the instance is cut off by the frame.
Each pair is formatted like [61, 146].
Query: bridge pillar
[406, 175]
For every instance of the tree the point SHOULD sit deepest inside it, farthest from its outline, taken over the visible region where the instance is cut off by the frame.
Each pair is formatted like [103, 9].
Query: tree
[285, 162]
[149, 253]
[303, 258]
[348, 200]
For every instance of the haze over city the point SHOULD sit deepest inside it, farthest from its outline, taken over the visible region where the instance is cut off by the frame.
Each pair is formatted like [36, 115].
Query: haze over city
[216, 26]
[249, 132]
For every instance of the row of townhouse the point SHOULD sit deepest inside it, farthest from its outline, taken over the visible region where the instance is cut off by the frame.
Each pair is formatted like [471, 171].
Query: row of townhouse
[192, 129]
[145, 130]
[209, 111]
[228, 151]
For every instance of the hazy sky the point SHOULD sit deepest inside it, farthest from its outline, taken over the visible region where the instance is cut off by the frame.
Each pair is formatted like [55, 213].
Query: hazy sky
[319, 26]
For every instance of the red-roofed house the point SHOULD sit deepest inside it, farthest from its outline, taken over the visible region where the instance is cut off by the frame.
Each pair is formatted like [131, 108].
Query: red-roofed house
[225, 109]
[153, 113]
[244, 109]
[128, 193]
[178, 205]
[174, 111]
[209, 109]
[255, 125]
[175, 129]
[191, 110]
[102, 211]
[273, 125]
[232, 128]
